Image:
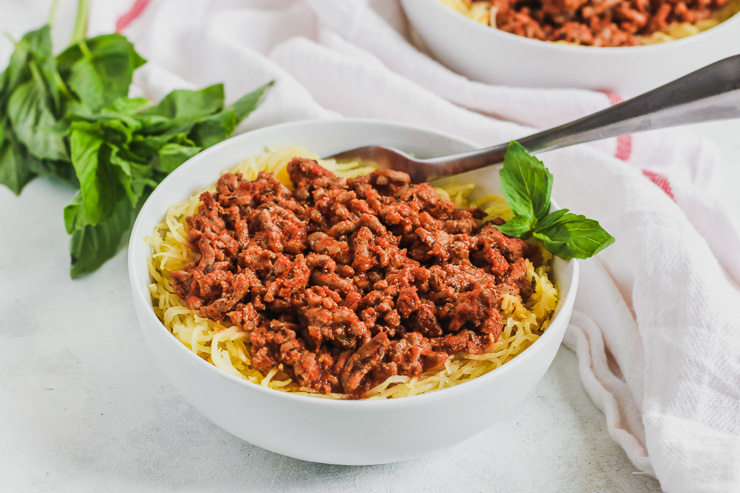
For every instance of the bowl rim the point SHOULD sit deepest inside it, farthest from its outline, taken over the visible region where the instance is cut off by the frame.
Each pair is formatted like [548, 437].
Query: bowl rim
[579, 49]
[143, 300]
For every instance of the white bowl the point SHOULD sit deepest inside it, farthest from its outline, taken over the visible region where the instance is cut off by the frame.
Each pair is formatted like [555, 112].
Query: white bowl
[489, 55]
[311, 428]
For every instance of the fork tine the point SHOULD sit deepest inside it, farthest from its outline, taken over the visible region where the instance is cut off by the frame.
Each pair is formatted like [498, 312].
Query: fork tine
[362, 153]
[386, 158]
[381, 157]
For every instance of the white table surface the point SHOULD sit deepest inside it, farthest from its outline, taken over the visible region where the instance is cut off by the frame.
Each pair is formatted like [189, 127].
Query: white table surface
[84, 407]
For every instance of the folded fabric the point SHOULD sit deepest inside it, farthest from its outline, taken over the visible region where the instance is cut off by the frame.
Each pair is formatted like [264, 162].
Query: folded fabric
[654, 328]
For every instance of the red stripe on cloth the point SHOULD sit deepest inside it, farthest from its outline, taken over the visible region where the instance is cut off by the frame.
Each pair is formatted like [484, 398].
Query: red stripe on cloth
[614, 98]
[135, 11]
[624, 147]
[661, 181]
[624, 150]
[624, 142]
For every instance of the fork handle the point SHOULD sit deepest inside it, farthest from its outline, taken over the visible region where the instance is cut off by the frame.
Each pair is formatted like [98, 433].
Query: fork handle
[710, 93]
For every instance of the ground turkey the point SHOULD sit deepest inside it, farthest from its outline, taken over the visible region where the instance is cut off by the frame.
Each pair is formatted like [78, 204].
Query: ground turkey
[596, 22]
[346, 282]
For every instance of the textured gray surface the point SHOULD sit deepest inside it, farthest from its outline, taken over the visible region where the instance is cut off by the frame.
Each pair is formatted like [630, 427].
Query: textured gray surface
[83, 404]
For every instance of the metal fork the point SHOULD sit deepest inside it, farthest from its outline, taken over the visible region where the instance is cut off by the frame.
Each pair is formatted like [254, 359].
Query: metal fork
[710, 93]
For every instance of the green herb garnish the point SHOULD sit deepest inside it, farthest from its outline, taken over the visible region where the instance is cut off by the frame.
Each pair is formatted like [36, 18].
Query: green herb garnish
[526, 185]
[69, 116]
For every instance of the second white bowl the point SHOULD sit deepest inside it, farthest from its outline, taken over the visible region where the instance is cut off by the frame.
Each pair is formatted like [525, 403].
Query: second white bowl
[489, 55]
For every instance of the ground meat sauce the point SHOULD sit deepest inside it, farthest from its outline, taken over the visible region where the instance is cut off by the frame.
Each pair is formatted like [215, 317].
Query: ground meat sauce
[346, 282]
[597, 22]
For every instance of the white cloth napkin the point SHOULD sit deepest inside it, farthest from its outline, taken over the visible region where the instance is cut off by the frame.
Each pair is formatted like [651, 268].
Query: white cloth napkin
[655, 326]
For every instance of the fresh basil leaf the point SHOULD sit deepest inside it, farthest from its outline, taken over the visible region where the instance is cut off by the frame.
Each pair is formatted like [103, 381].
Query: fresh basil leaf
[59, 169]
[33, 120]
[127, 106]
[99, 187]
[15, 160]
[92, 246]
[14, 172]
[186, 104]
[199, 114]
[173, 155]
[214, 129]
[116, 132]
[77, 110]
[525, 183]
[518, 227]
[74, 214]
[245, 105]
[44, 71]
[158, 124]
[148, 146]
[119, 127]
[569, 235]
[165, 129]
[32, 54]
[33, 59]
[91, 86]
[17, 72]
[220, 126]
[552, 218]
[134, 176]
[99, 70]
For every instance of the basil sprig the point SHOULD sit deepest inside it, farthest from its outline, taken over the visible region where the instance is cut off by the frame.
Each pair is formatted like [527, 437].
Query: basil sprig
[69, 116]
[526, 185]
